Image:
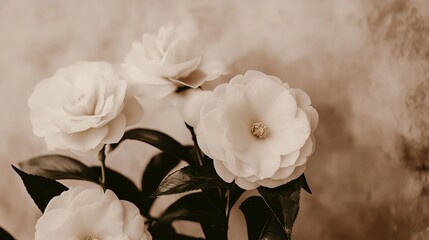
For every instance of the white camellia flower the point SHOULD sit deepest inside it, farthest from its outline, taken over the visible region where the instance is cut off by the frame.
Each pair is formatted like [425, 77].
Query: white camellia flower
[160, 64]
[82, 107]
[89, 213]
[258, 130]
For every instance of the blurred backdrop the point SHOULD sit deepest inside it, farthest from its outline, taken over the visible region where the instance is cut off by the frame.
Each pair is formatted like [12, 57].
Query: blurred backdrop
[365, 64]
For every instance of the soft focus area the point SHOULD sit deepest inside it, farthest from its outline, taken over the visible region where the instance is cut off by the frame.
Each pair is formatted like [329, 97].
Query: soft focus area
[365, 64]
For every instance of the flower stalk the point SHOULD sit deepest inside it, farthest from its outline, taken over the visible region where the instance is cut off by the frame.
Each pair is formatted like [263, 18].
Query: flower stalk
[227, 205]
[102, 159]
[200, 156]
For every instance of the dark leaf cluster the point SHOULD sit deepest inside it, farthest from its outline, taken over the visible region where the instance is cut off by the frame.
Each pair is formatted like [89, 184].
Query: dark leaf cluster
[208, 201]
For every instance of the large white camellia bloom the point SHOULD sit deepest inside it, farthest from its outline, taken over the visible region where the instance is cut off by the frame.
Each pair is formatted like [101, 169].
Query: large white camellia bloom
[258, 130]
[89, 213]
[82, 107]
[160, 64]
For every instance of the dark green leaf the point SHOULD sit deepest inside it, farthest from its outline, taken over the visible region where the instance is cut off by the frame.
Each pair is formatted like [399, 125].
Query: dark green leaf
[195, 154]
[190, 178]
[161, 231]
[207, 161]
[4, 235]
[159, 166]
[197, 208]
[235, 192]
[274, 231]
[167, 232]
[283, 201]
[122, 186]
[175, 236]
[305, 184]
[58, 167]
[41, 189]
[216, 196]
[261, 223]
[159, 140]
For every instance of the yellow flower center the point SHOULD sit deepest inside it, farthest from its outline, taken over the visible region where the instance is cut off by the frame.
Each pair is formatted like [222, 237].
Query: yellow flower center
[260, 130]
[93, 237]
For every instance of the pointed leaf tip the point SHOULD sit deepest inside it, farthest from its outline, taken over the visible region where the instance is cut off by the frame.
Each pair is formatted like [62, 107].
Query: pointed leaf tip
[41, 189]
[305, 184]
[4, 235]
[58, 167]
[159, 166]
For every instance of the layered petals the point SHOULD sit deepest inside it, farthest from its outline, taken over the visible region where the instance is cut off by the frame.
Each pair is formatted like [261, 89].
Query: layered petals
[82, 212]
[258, 130]
[82, 107]
[160, 64]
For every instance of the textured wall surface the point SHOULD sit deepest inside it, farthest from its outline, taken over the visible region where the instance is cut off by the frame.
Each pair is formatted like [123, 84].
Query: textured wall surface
[365, 63]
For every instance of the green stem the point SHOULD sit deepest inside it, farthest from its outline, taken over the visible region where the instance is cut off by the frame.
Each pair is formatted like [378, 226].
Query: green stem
[223, 231]
[197, 148]
[227, 206]
[102, 159]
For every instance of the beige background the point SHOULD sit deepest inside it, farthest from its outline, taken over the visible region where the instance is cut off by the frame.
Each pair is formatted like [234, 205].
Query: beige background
[365, 63]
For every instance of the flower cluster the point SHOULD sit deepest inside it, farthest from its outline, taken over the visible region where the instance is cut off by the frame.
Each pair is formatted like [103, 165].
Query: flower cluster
[254, 132]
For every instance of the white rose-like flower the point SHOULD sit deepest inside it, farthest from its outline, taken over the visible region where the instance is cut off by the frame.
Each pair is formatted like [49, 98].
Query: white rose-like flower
[160, 64]
[89, 213]
[82, 107]
[258, 130]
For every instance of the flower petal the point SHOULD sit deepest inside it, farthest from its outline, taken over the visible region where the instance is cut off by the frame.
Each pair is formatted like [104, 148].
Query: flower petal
[150, 48]
[85, 141]
[273, 183]
[293, 138]
[116, 130]
[280, 112]
[179, 70]
[305, 152]
[246, 185]
[222, 171]
[261, 158]
[289, 159]
[189, 104]
[302, 98]
[313, 117]
[239, 168]
[205, 72]
[133, 111]
[209, 125]
[102, 218]
[145, 86]
[283, 173]
[133, 224]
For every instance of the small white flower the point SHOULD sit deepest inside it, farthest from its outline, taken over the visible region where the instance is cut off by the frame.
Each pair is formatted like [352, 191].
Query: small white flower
[258, 130]
[159, 64]
[82, 107]
[83, 213]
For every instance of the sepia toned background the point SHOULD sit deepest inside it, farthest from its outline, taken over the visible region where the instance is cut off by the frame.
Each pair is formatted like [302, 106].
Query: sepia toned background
[365, 63]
